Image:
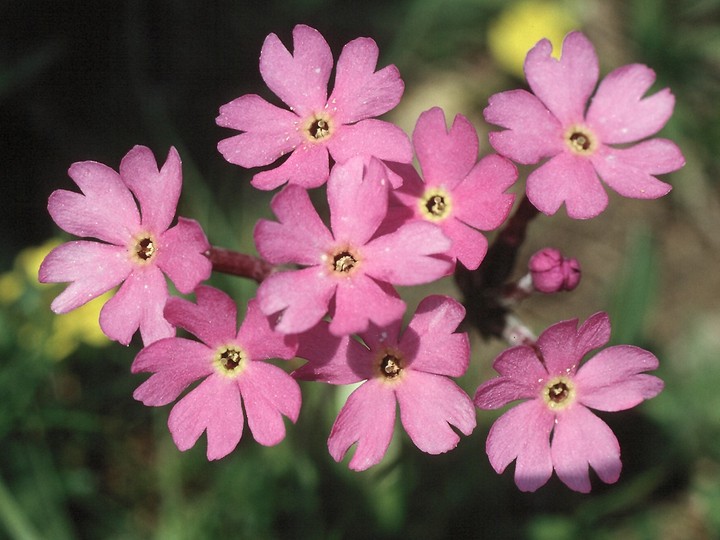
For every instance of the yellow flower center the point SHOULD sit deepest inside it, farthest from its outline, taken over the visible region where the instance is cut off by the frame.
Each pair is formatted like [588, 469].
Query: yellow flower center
[558, 393]
[581, 140]
[435, 204]
[343, 261]
[390, 365]
[143, 248]
[318, 127]
[230, 361]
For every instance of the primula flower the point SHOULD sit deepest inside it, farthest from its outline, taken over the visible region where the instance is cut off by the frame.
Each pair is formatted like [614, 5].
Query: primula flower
[459, 194]
[550, 272]
[342, 125]
[554, 429]
[411, 369]
[553, 123]
[137, 246]
[232, 370]
[350, 266]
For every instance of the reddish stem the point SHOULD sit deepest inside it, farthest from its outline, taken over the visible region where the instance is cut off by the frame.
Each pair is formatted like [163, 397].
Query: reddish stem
[238, 264]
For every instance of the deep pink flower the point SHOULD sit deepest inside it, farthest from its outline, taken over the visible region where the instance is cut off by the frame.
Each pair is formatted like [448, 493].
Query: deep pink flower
[554, 123]
[558, 395]
[459, 194]
[550, 272]
[342, 125]
[411, 369]
[232, 370]
[350, 266]
[136, 248]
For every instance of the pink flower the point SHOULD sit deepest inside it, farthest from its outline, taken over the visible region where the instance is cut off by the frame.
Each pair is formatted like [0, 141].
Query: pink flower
[411, 370]
[553, 123]
[558, 395]
[551, 272]
[342, 125]
[350, 270]
[232, 372]
[136, 248]
[459, 194]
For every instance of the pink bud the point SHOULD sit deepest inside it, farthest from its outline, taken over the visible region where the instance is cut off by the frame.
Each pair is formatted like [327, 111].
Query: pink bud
[551, 272]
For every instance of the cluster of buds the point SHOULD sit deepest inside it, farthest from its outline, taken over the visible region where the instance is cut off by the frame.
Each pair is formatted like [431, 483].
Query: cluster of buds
[326, 291]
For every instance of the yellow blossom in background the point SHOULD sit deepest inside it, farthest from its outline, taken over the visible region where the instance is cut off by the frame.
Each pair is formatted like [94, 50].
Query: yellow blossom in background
[521, 25]
[57, 335]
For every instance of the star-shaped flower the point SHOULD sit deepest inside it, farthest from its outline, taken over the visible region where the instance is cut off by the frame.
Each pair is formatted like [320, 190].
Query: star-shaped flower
[553, 122]
[554, 428]
[342, 125]
[137, 247]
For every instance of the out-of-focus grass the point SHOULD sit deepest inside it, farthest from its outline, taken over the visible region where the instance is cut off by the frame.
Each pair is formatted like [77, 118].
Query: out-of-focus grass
[82, 459]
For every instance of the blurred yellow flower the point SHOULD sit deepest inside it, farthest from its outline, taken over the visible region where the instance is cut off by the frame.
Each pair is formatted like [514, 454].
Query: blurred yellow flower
[520, 26]
[79, 326]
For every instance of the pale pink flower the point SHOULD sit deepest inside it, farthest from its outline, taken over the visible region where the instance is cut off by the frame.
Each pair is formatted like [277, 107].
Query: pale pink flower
[137, 247]
[459, 193]
[553, 428]
[411, 370]
[234, 375]
[349, 271]
[554, 123]
[342, 125]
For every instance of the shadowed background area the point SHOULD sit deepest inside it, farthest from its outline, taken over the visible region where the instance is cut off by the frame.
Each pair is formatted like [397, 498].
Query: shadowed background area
[87, 80]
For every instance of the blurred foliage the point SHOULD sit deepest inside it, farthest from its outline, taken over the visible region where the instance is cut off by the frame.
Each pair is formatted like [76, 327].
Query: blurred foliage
[82, 79]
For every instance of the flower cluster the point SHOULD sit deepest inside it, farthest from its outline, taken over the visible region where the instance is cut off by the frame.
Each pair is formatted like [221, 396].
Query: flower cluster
[327, 289]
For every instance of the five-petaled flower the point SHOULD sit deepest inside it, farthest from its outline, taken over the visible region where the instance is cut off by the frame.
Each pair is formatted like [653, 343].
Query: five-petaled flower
[412, 370]
[342, 125]
[459, 194]
[557, 396]
[552, 122]
[233, 372]
[351, 266]
[137, 246]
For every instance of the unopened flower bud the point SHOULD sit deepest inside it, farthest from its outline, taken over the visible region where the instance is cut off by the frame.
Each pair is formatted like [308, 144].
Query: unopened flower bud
[551, 272]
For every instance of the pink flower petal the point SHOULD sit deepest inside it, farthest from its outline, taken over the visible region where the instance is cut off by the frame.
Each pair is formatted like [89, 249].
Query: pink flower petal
[268, 394]
[212, 319]
[564, 85]
[523, 433]
[613, 380]
[357, 195]
[214, 406]
[359, 300]
[429, 405]
[619, 114]
[91, 267]
[532, 133]
[106, 210]
[480, 200]
[629, 171]
[367, 418]
[582, 439]
[181, 255]
[300, 79]
[522, 376]
[156, 191]
[431, 339]
[379, 337]
[175, 363]
[332, 359]
[300, 236]
[370, 137]
[138, 303]
[360, 92]
[563, 345]
[405, 257]
[302, 296]
[469, 246]
[308, 166]
[445, 156]
[567, 179]
[271, 132]
[259, 340]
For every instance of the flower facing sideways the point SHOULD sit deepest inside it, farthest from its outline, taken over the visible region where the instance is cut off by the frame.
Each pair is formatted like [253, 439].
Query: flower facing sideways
[459, 194]
[137, 247]
[553, 122]
[350, 271]
[553, 428]
[411, 370]
[342, 125]
[232, 370]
